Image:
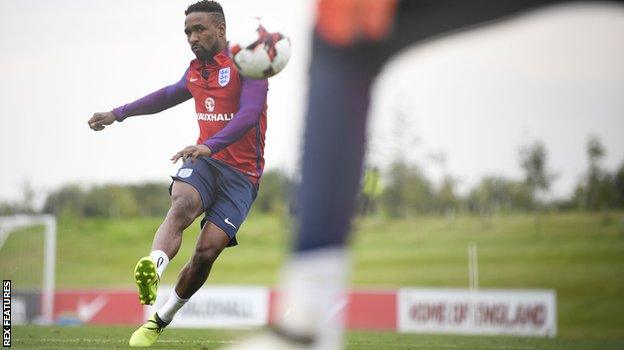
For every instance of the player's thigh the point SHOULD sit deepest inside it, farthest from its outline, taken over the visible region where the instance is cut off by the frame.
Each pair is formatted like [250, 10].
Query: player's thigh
[232, 204]
[182, 191]
[211, 240]
[197, 182]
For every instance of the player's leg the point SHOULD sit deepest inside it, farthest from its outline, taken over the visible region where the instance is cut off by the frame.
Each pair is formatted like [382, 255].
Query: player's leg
[333, 152]
[332, 161]
[334, 141]
[210, 243]
[227, 213]
[333, 158]
[340, 79]
[186, 206]
[335, 124]
[192, 190]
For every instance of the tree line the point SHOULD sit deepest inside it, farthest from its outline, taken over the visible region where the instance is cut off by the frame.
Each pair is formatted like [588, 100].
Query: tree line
[408, 191]
[598, 189]
[402, 190]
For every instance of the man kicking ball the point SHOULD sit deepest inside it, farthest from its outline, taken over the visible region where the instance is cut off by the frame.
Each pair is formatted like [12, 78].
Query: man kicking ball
[221, 172]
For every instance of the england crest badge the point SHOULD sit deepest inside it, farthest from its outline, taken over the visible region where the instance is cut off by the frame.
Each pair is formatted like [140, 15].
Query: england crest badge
[224, 76]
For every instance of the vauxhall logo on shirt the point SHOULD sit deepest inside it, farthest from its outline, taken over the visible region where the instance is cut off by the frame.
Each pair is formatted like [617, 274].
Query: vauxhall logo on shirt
[210, 105]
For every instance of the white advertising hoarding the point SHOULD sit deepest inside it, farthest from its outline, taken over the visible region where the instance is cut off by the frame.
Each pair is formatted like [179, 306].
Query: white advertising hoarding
[219, 307]
[464, 311]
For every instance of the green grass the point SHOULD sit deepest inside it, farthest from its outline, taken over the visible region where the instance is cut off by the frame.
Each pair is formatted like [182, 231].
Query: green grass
[53, 338]
[104, 252]
[579, 255]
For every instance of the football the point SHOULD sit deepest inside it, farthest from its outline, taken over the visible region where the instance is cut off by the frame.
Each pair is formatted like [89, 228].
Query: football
[258, 49]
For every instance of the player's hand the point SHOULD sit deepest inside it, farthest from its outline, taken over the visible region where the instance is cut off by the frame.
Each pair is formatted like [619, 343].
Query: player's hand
[192, 152]
[100, 120]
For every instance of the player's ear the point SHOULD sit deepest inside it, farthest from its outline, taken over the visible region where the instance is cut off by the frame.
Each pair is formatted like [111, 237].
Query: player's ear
[221, 28]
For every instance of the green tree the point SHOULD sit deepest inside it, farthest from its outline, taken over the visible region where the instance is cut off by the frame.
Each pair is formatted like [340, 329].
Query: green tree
[619, 186]
[110, 201]
[598, 192]
[152, 198]
[533, 158]
[9, 208]
[408, 191]
[28, 198]
[275, 188]
[68, 200]
[498, 194]
[446, 197]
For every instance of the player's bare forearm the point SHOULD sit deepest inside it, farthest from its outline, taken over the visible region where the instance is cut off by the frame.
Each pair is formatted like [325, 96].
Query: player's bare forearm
[193, 152]
[99, 121]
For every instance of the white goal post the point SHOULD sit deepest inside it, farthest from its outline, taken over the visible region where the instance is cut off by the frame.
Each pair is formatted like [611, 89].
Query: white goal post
[9, 224]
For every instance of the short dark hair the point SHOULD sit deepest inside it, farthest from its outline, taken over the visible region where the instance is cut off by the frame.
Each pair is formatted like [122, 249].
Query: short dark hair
[206, 6]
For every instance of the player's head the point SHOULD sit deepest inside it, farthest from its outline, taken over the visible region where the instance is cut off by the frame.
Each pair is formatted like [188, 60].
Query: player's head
[205, 28]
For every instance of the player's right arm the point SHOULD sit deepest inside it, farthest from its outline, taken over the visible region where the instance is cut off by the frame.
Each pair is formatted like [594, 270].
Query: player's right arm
[155, 102]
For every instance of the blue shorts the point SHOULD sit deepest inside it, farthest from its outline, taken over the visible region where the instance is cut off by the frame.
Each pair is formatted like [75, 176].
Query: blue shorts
[225, 192]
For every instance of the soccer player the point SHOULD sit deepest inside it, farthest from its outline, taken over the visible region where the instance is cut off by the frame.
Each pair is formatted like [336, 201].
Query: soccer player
[352, 40]
[220, 173]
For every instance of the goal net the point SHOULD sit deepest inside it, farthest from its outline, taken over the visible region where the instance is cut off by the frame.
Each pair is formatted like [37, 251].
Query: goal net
[28, 259]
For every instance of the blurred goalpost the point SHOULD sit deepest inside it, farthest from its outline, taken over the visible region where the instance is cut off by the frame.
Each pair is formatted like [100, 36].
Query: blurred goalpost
[24, 249]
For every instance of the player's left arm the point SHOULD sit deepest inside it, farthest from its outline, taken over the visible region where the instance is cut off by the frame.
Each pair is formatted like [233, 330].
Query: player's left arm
[251, 104]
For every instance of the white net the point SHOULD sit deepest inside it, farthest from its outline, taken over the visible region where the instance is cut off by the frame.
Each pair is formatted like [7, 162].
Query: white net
[27, 258]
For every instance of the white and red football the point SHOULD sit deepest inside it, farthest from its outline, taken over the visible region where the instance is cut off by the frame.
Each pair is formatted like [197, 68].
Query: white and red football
[258, 49]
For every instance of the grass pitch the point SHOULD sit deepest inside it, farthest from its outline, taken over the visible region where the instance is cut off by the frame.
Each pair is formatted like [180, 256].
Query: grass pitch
[580, 255]
[52, 338]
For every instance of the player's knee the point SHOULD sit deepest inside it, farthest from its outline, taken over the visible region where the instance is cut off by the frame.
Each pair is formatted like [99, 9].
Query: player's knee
[205, 255]
[182, 211]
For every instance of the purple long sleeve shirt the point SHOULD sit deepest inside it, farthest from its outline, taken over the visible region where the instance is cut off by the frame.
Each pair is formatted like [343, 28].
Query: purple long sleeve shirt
[251, 104]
